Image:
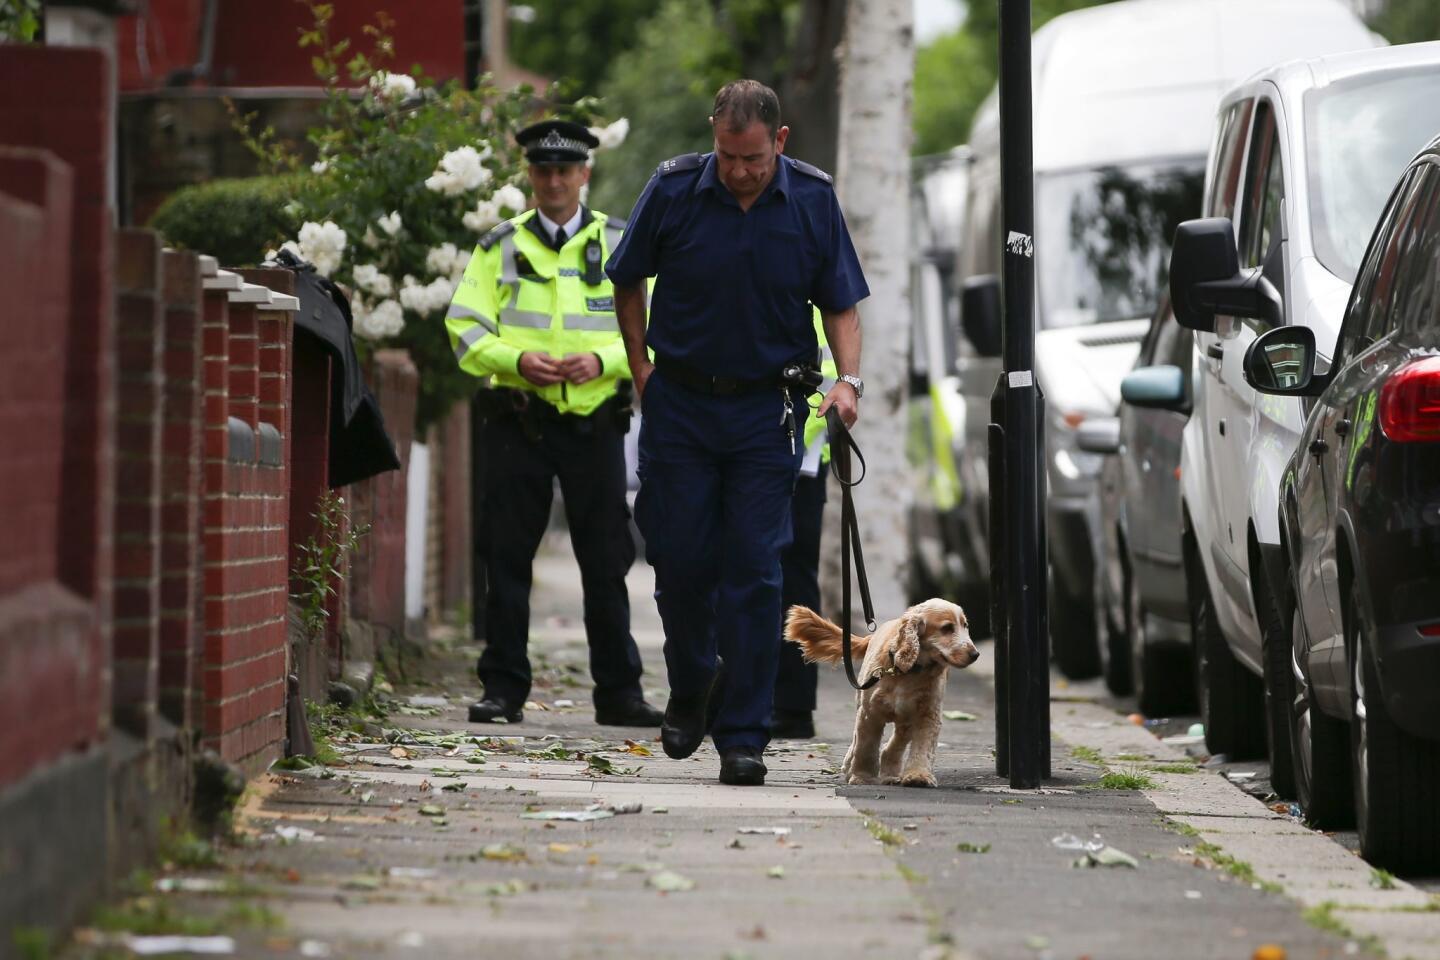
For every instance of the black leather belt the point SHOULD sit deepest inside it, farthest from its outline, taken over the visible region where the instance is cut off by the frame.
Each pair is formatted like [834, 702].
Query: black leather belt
[692, 379]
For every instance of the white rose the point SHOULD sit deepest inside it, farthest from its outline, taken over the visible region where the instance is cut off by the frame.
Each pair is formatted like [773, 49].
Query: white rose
[392, 86]
[320, 166]
[460, 171]
[485, 215]
[510, 197]
[390, 223]
[368, 277]
[370, 240]
[613, 135]
[388, 319]
[322, 244]
[462, 260]
[441, 260]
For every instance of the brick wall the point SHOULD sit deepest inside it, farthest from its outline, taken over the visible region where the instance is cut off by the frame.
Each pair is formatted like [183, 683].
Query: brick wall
[246, 521]
[377, 576]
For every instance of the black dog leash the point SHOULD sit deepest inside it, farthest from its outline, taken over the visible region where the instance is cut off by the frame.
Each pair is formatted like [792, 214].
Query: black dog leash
[841, 444]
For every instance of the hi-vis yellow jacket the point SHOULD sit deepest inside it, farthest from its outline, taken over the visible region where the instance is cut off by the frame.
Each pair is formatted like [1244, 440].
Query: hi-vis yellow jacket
[519, 294]
[815, 426]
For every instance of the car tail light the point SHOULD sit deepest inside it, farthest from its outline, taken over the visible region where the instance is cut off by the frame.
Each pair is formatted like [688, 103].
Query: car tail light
[1410, 403]
[1429, 629]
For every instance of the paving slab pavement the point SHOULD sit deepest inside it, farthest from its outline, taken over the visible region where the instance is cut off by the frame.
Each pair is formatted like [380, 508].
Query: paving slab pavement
[422, 851]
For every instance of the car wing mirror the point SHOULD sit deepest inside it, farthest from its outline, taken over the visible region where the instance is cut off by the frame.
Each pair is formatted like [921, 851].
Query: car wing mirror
[1160, 387]
[1282, 362]
[1206, 279]
[980, 313]
[1099, 435]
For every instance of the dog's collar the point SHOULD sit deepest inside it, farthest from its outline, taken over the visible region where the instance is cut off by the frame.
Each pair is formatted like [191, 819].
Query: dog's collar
[894, 671]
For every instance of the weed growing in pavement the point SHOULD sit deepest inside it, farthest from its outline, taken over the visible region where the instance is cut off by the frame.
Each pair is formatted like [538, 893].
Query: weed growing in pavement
[911, 875]
[1323, 917]
[1133, 757]
[1174, 768]
[320, 562]
[1184, 829]
[151, 916]
[1382, 879]
[180, 847]
[1129, 778]
[1238, 869]
[889, 836]
[1088, 754]
[32, 943]
[965, 847]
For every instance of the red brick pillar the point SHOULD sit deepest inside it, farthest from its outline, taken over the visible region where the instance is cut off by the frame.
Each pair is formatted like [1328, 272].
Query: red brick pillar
[181, 490]
[377, 583]
[139, 332]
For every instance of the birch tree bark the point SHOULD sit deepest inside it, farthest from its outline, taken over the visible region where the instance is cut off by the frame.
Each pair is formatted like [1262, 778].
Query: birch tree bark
[873, 180]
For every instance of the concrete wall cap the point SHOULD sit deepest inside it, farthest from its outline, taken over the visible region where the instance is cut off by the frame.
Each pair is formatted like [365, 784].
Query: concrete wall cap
[209, 266]
[223, 280]
[251, 293]
[283, 301]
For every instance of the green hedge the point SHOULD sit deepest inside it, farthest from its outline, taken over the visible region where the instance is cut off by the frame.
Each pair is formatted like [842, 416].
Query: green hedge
[235, 221]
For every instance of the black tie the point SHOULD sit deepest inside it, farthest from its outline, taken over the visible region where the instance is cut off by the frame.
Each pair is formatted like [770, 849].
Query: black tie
[559, 237]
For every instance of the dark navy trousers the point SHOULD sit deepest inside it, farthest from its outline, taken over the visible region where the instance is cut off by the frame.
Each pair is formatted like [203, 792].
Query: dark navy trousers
[800, 568]
[717, 474]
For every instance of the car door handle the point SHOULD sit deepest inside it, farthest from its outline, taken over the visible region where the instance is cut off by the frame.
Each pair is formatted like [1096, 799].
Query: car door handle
[1318, 447]
[1342, 427]
[1220, 425]
[1216, 350]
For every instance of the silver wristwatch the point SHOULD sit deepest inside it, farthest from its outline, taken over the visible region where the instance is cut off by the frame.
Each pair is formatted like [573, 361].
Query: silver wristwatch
[855, 382]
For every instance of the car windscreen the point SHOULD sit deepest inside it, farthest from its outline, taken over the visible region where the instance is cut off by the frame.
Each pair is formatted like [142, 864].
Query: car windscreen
[1103, 238]
[1360, 134]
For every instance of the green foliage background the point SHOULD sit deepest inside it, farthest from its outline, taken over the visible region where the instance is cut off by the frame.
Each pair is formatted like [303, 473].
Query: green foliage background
[233, 220]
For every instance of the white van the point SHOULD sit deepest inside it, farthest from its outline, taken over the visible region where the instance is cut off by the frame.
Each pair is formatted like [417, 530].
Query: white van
[1124, 96]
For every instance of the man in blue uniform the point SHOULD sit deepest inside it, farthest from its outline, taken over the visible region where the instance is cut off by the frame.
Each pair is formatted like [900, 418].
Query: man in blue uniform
[741, 241]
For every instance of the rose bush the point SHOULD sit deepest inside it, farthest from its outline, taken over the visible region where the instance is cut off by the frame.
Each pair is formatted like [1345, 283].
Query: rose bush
[408, 176]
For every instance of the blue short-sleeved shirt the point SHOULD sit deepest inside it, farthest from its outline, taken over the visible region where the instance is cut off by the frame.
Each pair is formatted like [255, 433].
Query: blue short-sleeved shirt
[733, 288]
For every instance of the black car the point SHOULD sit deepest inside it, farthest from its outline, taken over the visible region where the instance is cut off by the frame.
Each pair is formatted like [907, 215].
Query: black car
[1360, 532]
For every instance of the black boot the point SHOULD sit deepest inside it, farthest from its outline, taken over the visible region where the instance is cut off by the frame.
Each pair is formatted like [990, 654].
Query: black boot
[792, 725]
[491, 709]
[742, 767]
[688, 719]
[629, 713]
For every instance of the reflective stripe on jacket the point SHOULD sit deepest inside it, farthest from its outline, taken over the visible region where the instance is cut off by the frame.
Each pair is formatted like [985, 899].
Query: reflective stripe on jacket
[518, 294]
[815, 426]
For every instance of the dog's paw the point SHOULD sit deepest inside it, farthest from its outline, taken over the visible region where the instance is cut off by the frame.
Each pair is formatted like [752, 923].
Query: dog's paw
[918, 778]
[857, 779]
[890, 780]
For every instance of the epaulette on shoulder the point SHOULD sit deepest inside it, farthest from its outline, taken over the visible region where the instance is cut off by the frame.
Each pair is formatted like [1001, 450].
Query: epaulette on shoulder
[496, 235]
[686, 161]
[614, 223]
[809, 169]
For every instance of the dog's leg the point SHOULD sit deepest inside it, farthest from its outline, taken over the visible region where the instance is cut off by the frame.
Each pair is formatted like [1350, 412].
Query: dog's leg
[864, 753]
[893, 756]
[925, 733]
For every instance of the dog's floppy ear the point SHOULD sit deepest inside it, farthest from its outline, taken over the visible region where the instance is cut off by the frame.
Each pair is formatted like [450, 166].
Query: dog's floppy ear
[907, 640]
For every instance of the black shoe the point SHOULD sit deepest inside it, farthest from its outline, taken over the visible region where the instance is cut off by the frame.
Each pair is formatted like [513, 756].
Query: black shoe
[742, 767]
[688, 719]
[491, 709]
[792, 725]
[630, 713]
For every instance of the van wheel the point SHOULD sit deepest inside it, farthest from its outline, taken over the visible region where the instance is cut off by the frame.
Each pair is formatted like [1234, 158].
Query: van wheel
[1276, 646]
[1072, 634]
[1161, 673]
[1319, 751]
[1232, 701]
[1397, 776]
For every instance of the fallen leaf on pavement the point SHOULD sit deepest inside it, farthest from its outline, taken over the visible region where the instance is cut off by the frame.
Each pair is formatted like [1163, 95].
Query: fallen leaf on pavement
[579, 816]
[400, 753]
[667, 881]
[776, 873]
[431, 810]
[959, 715]
[502, 851]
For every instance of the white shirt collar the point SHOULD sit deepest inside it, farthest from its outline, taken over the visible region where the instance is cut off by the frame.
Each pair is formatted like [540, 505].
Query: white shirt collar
[571, 225]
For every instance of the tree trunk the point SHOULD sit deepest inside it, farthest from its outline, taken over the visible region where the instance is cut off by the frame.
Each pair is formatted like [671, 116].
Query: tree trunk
[873, 177]
[809, 91]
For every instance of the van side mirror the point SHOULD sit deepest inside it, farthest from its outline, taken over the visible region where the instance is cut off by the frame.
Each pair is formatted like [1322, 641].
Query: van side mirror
[1099, 435]
[1161, 387]
[1206, 279]
[980, 313]
[1282, 362]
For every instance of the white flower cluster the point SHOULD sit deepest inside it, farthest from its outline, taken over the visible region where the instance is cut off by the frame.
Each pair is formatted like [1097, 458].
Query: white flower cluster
[369, 278]
[504, 203]
[392, 86]
[461, 171]
[427, 298]
[320, 166]
[447, 260]
[612, 135]
[383, 319]
[320, 243]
